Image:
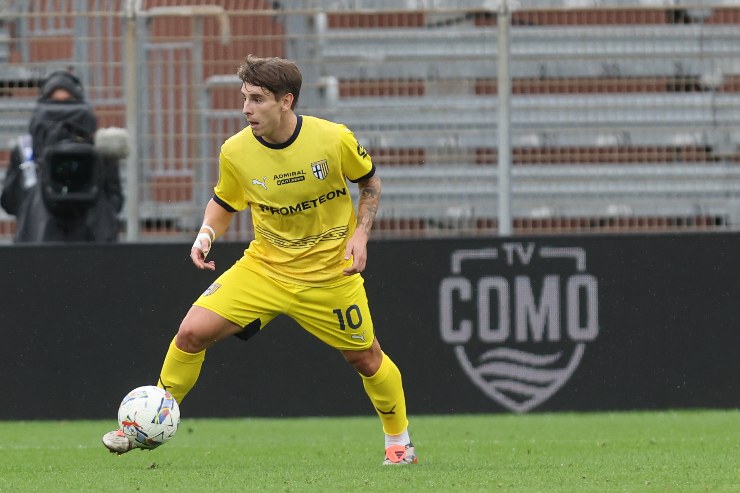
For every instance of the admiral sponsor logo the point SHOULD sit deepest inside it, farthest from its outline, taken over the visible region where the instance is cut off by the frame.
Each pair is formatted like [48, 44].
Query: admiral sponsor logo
[305, 205]
[519, 319]
[320, 169]
[292, 177]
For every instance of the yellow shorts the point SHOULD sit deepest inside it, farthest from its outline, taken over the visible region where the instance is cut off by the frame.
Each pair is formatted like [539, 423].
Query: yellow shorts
[338, 314]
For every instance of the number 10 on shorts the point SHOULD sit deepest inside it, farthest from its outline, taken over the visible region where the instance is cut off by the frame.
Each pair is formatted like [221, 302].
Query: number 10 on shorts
[351, 316]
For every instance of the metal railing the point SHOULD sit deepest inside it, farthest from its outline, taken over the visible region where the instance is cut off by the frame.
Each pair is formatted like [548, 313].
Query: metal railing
[594, 84]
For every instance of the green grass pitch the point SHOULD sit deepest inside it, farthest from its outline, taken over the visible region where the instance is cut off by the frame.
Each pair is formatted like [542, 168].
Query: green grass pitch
[671, 451]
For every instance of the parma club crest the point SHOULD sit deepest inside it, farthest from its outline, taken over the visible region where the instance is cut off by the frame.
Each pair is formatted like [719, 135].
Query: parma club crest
[320, 169]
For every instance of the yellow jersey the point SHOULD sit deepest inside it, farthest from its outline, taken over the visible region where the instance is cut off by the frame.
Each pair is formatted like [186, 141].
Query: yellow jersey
[297, 191]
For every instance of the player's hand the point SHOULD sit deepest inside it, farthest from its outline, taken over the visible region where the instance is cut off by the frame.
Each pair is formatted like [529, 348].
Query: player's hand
[357, 251]
[198, 254]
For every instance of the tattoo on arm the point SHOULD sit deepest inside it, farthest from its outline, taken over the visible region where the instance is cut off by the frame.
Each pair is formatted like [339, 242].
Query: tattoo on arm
[368, 204]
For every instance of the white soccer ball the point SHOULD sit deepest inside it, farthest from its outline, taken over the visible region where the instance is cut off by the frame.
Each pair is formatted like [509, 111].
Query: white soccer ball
[149, 416]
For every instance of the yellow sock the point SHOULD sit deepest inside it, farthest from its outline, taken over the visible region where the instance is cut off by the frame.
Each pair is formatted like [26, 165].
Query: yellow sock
[385, 390]
[180, 371]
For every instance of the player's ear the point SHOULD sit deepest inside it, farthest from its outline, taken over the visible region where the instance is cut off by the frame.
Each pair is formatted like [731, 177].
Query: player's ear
[287, 101]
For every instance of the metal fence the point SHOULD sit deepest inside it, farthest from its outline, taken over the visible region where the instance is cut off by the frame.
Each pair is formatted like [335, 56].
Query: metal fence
[606, 116]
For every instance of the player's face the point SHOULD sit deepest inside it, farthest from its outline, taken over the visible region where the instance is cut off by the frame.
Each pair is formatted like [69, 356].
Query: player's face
[264, 113]
[61, 94]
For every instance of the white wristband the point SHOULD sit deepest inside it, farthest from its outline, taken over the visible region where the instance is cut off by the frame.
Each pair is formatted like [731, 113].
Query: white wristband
[213, 232]
[199, 244]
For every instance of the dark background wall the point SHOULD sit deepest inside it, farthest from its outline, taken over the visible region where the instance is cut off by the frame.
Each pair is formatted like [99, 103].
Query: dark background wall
[81, 325]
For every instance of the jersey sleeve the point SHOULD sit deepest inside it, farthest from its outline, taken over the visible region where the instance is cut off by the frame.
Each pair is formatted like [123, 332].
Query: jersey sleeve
[229, 192]
[356, 162]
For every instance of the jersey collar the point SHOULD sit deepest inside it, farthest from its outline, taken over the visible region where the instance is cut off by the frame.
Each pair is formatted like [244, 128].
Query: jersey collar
[285, 144]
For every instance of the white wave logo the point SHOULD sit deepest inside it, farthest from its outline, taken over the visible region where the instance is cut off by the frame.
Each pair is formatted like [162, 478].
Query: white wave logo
[519, 380]
[550, 332]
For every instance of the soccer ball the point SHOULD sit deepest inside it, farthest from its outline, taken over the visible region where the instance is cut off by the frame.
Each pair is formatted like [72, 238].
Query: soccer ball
[149, 416]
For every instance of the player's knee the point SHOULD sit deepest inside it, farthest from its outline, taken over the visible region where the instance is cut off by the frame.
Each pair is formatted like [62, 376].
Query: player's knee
[188, 338]
[365, 362]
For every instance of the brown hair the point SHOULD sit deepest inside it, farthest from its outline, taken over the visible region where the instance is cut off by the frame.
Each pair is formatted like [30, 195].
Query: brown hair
[277, 75]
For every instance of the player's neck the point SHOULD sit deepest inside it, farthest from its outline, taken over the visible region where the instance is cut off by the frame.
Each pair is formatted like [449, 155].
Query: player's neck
[284, 131]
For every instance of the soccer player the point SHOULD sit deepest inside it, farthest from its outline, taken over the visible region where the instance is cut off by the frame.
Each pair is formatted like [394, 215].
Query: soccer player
[308, 253]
